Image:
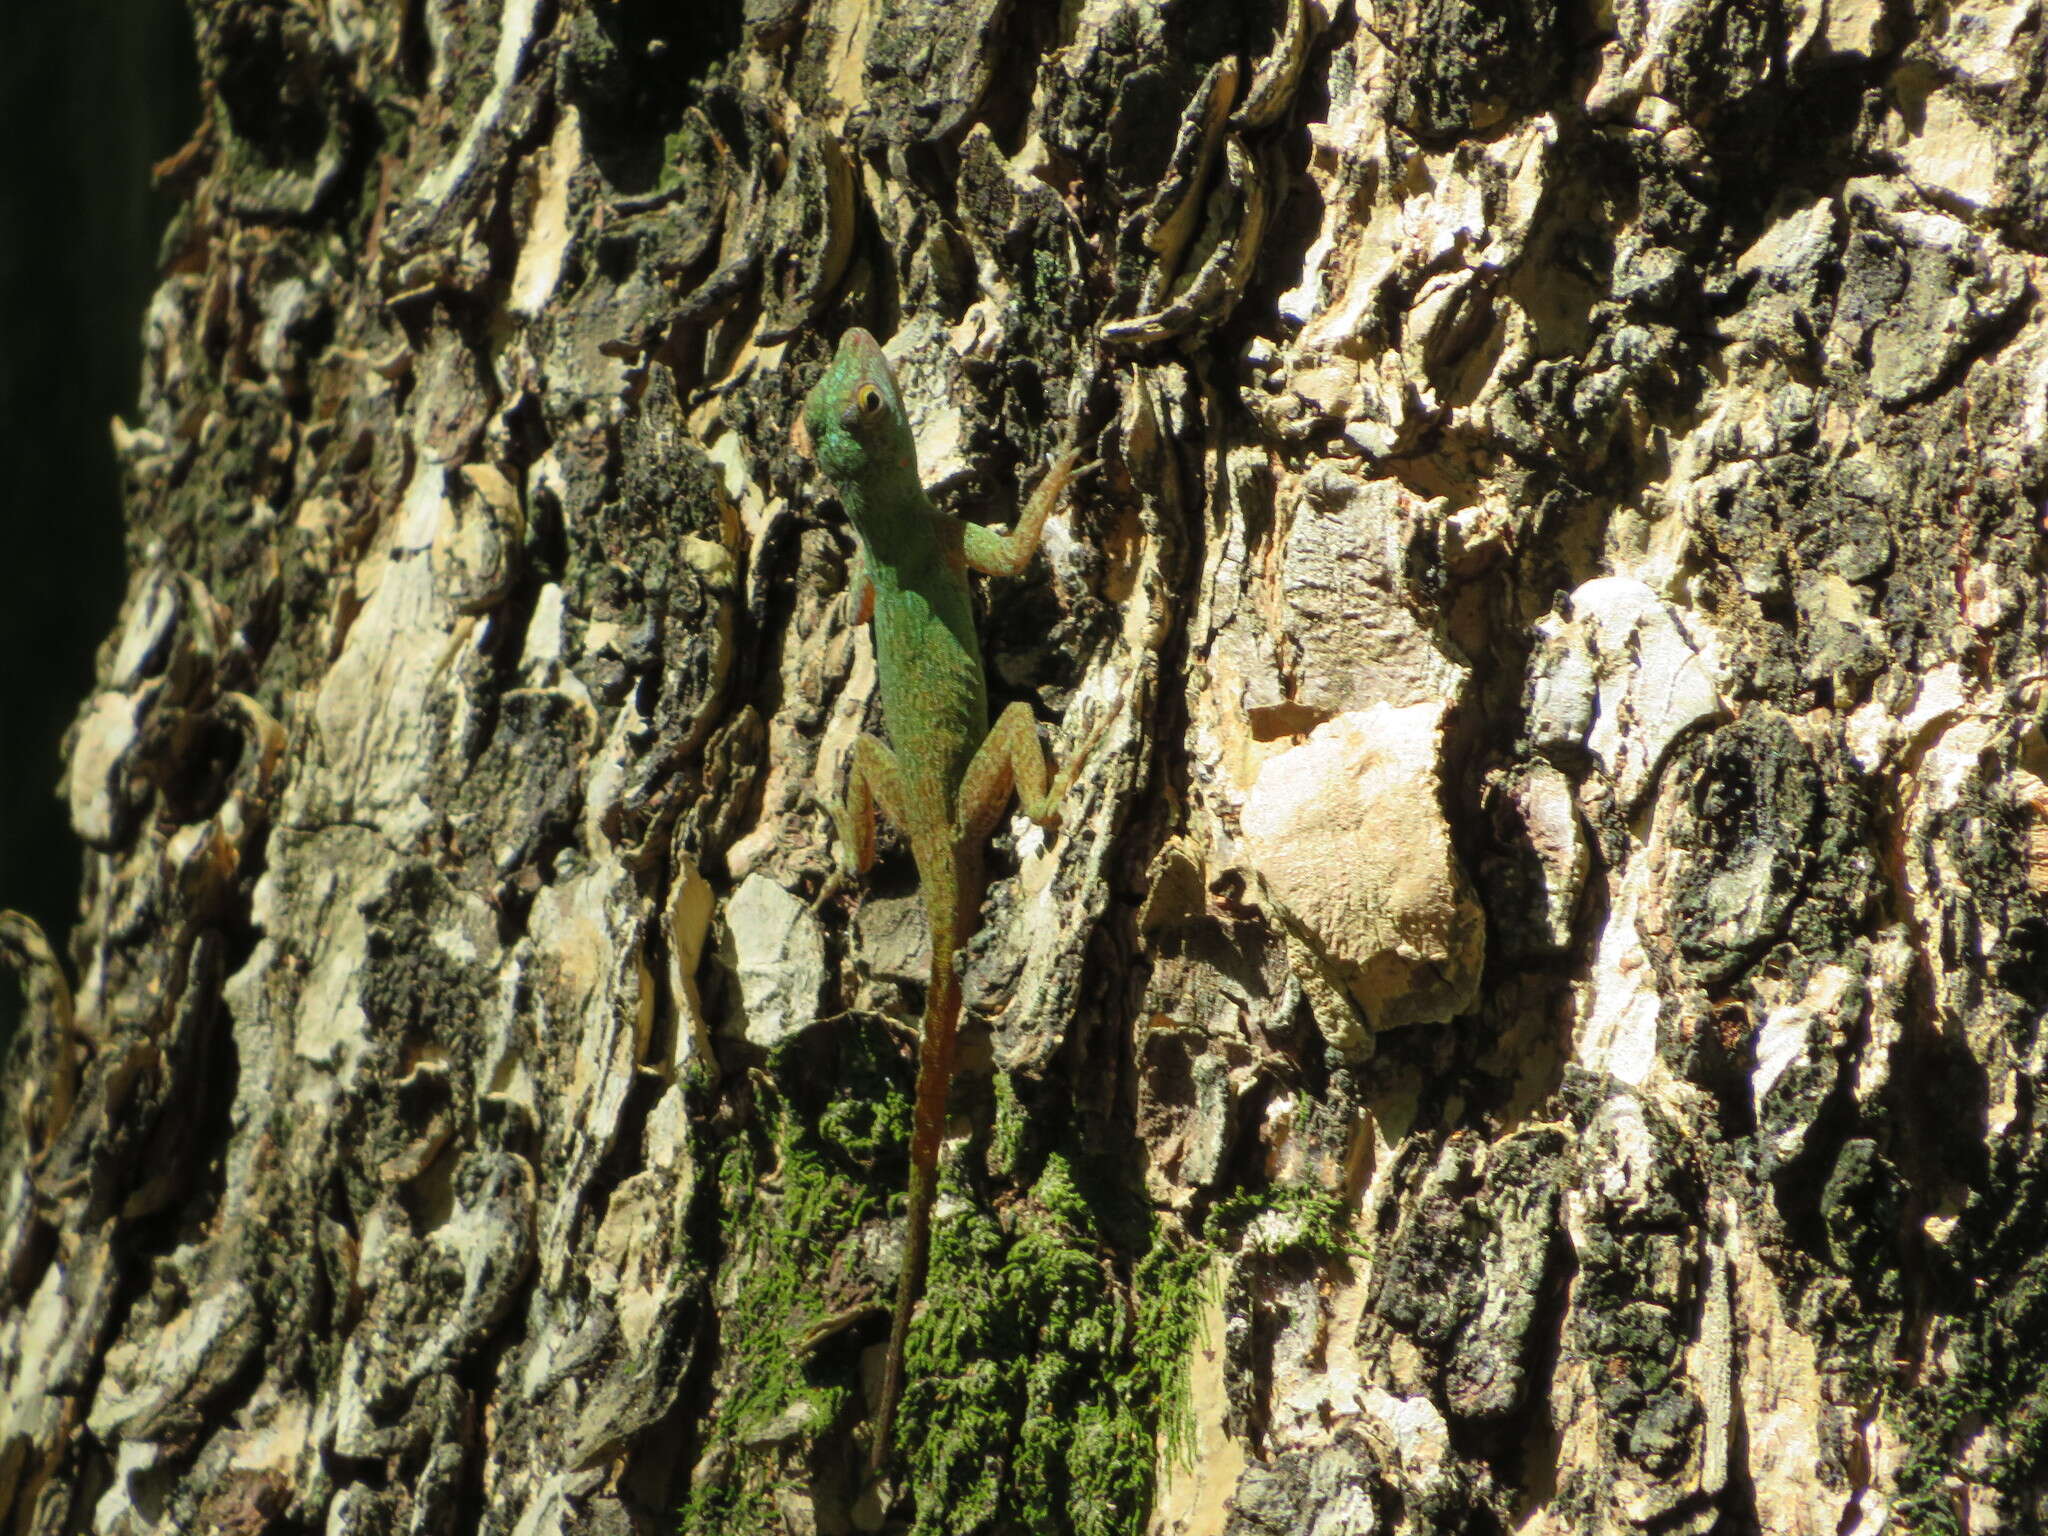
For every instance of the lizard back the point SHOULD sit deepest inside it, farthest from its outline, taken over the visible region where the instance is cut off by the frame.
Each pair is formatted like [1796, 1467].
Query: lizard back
[934, 694]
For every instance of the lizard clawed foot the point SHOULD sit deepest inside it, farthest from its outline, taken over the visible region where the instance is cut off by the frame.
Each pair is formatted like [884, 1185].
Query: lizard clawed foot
[1063, 781]
[903, 1030]
[846, 858]
[835, 884]
[836, 1323]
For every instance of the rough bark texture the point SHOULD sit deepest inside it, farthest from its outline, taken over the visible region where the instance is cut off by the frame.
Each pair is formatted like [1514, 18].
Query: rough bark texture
[1533, 1017]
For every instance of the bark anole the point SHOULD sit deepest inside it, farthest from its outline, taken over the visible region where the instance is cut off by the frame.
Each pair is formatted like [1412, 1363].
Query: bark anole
[944, 776]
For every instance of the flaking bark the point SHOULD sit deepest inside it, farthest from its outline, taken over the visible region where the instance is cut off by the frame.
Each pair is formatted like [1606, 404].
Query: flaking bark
[1532, 1017]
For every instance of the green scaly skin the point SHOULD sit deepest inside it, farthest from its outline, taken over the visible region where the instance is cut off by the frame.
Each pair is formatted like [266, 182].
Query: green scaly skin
[943, 777]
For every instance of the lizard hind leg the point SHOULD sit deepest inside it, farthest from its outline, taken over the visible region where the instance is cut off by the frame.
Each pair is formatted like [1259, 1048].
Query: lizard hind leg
[874, 781]
[1011, 755]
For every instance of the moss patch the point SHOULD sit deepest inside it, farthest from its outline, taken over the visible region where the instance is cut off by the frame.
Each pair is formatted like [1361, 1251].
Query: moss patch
[1291, 1219]
[1040, 1382]
[1047, 1365]
[791, 1212]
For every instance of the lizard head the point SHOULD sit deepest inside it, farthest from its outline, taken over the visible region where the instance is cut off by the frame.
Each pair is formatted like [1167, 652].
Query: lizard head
[854, 416]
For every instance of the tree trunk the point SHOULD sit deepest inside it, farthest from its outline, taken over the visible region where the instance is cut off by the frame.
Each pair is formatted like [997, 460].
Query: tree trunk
[1531, 1019]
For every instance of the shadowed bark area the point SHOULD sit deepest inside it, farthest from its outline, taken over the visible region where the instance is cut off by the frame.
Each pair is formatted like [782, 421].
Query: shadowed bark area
[1531, 1018]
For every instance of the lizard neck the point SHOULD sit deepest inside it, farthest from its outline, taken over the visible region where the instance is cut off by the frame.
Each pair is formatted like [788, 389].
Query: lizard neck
[891, 512]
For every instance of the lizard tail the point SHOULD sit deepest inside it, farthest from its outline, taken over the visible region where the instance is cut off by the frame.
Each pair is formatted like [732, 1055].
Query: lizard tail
[940, 879]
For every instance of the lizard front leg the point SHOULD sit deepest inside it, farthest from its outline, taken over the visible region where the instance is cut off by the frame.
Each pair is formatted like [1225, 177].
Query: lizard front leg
[860, 590]
[1006, 554]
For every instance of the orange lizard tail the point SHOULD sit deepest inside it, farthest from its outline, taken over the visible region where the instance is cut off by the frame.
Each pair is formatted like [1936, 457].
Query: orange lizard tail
[940, 879]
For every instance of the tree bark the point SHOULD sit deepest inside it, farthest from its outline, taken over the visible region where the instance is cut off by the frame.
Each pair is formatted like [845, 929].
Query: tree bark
[1531, 1019]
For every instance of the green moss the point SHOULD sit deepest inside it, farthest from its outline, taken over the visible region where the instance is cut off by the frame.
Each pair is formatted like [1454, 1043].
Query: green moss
[1050, 280]
[781, 1253]
[1992, 1362]
[1289, 1220]
[2001, 1380]
[1171, 1288]
[1040, 1383]
[1046, 1367]
[1006, 1144]
[681, 146]
[791, 1221]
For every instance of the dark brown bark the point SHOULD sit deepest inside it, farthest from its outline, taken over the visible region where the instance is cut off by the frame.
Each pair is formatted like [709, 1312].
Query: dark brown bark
[1532, 1017]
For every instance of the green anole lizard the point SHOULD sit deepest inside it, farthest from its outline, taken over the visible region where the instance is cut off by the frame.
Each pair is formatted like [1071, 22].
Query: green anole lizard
[944, 776]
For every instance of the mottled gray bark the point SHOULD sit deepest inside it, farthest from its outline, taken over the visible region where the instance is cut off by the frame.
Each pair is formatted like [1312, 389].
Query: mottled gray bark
[1531, 1020]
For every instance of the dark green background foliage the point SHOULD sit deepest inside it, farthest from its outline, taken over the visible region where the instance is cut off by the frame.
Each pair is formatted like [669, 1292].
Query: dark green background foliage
[92, 93]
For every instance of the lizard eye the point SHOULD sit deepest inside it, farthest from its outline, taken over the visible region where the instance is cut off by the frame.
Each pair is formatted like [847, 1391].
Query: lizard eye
[868, 398]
